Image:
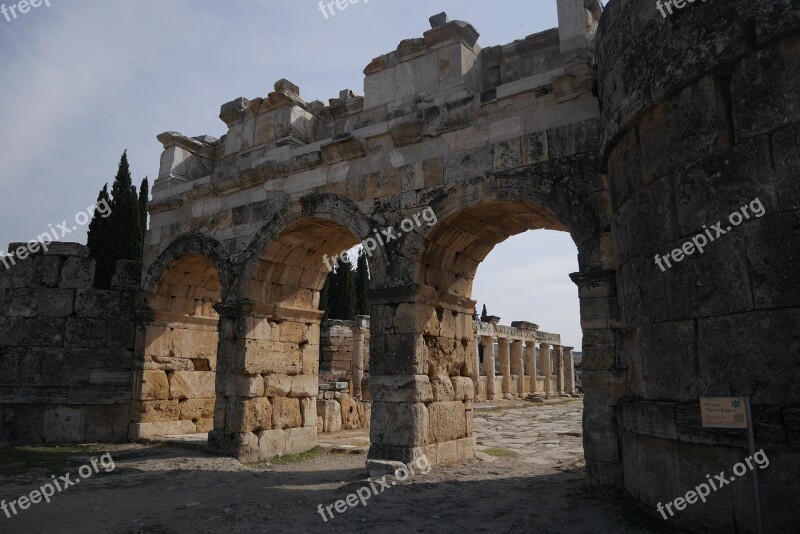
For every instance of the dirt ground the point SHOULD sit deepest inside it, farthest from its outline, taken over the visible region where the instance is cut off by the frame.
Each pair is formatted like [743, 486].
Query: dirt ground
[529, 478]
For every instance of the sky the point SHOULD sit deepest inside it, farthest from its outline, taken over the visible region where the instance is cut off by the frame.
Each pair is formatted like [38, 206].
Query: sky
[83, 80]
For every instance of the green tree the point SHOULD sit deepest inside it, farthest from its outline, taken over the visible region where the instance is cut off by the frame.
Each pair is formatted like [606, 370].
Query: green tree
[343, 300]
[119, 236]
[362, 284]
[100, 236]
[144, 196]
[484, 315]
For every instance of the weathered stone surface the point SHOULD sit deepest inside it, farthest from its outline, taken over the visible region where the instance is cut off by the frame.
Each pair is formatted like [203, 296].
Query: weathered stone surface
[447, 421]
[330, 412]
[154, 385]
[192, 385]
[286, 413]
[156, 411]
[196, 409]
[77, 273]
[249, 415]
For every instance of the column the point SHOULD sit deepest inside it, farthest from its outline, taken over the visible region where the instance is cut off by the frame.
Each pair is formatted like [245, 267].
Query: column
[360, 326]
[488, 366]
[476, 378]
[559, 369]
[505, 365]
[518, 366]
[544, 356]
[530, 357]
[569, 370]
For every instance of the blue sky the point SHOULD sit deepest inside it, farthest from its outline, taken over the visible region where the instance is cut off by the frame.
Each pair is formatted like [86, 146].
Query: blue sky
[82, 80]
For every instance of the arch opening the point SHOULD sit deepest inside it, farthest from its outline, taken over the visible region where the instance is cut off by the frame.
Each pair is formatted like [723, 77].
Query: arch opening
[177, 350]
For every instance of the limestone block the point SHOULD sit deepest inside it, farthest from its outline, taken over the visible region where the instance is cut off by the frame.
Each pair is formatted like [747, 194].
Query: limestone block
[56, 302]
[156, 430]
[331, 413]
[192, 409]
[204, 425]
[122, 333]
[320, 425]
[400, 424]
[62, 424]
[192, 385]
[117, 377]
[447, 421]
[353, 413]
[21, 303]
[46, 270]
[286, 413]
[167, 363]
[44, 332]
[304, 386]
[300, 440]
[107, 423]
[443, 389]
[271, 443]
[277, 385]
[244, 386]
[154, 385]
[272, 358]
[155, 411]
[86, 333]
[507, 155]
[463, 388]
[77, 273]
[308, 410]
[98, 304]
[249, 415]
[401, 388]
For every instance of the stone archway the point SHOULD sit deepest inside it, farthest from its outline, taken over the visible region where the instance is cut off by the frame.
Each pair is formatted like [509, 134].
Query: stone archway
[269, 343]
[423, 363]
[176, 353]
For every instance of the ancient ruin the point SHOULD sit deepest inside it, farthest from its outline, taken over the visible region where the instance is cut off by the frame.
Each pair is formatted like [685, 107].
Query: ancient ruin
[630, 132]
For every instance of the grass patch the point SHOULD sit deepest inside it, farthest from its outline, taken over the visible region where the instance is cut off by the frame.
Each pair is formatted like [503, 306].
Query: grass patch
[20, 460]
[287, 459]
[497, 452]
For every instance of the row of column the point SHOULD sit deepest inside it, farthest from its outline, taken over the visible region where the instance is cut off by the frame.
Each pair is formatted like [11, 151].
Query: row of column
[515, 359]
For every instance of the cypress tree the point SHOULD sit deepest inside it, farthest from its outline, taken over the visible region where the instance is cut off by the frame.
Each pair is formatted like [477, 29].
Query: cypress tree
[144, 196]
[99, 240]
[120, 236]
[343, 301]
[484, 315]
[362, 284]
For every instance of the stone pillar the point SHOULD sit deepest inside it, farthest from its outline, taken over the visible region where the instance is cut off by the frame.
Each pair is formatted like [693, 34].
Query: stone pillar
[419, 406]
[518, 366]
[530, 358]
[559, 369]
[505, 365]
[575, 24]
[569, 369]
[476, 375]
[488, 366]
[266, 393]
[360, 326]
[544, 356]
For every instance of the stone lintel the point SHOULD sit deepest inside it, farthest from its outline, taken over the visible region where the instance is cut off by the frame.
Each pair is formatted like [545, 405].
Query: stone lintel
[232, 113]
[342, 148]
[202, 146]
[454, 31]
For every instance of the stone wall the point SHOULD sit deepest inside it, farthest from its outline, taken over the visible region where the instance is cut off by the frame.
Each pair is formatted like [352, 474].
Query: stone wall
[336, 351]
[701, 118]
[66, 350]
